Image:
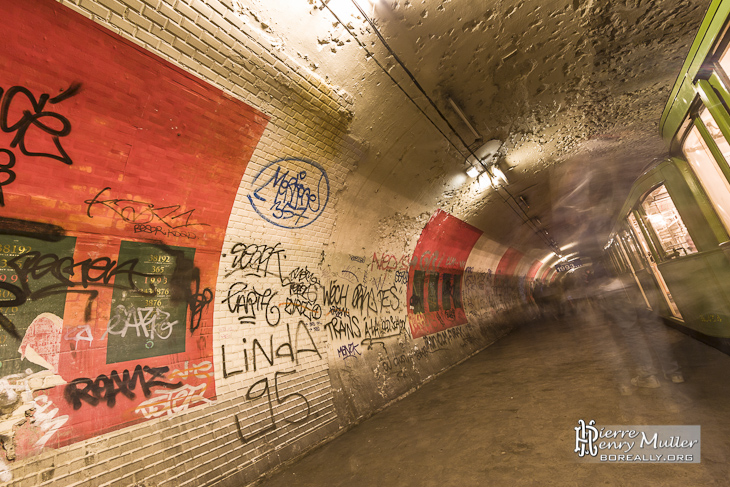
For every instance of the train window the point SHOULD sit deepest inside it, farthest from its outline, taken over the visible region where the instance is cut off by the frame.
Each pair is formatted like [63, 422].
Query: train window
[706, 168]
[664, 218]
[715, 133]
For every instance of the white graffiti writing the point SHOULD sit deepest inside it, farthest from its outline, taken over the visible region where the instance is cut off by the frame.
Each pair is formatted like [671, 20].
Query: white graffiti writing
[45, 418]
[152, 321]
[79, 333]
[169, 402]
[203, 370]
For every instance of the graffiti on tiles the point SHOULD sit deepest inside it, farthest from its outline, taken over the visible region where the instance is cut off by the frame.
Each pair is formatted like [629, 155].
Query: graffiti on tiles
[290, 193]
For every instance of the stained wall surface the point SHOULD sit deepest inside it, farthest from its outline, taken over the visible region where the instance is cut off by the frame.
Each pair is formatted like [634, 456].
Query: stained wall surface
[192, 291]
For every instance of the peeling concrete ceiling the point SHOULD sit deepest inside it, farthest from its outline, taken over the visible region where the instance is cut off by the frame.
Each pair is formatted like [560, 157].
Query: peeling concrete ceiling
[573, 88]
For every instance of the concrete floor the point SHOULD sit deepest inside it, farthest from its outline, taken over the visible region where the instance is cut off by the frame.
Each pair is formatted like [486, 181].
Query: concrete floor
[506, 417]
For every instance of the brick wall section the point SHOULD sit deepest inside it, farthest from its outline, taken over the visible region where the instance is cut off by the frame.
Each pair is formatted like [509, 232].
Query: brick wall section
[266, 416]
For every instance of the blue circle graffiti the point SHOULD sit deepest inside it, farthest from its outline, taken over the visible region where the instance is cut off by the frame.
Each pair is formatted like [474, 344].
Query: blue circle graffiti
[290, 193]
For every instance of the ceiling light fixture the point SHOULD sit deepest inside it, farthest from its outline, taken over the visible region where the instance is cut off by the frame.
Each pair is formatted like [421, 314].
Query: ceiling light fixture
[499, 174]
[484, 161]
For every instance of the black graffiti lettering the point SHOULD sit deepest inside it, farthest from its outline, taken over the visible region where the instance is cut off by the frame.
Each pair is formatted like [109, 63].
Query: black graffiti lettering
[304, 409]
[255, 259]
[302, 282]
[302, 326]
[303, 293]
[306, 309]
[388, 299]
[7, 175]
[227, 374]
[293, 395]
[197, 302]
[185, 287]
[308, 292]
[74, 395]
[250, 397]
[19, 297]
[345, 327]
[401, 277]
[269, 358]
[262, 355]
[375, 302]
[336, 294]
[377, 330]
[441, 339]
[363, 299]
[142, 212]
[338, 312]
[246, 302]
[106, 388]
[49, 122]
[33, 265]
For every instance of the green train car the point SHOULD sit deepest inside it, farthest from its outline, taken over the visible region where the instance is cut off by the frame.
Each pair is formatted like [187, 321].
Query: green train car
[672, 235]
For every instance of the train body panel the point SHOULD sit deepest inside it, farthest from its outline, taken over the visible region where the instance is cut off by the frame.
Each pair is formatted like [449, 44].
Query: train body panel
[672, 233]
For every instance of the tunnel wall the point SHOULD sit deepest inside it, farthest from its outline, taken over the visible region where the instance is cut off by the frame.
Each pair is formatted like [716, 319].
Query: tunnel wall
[175, 311]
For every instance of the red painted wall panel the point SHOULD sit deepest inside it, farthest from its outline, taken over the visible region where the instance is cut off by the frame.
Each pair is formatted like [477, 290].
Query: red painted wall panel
[435, 274]
[509, 261]
[533, 269]
[545, 273]
[138, 163]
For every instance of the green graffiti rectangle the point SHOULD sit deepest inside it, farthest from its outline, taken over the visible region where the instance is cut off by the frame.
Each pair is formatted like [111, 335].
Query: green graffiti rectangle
[44, 292]
[147, 322]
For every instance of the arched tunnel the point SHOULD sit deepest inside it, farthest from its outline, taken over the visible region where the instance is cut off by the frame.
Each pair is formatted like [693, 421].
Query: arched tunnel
[364, 242]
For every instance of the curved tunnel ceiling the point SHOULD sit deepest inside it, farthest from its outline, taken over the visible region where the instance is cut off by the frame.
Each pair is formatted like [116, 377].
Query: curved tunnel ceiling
[574, 89]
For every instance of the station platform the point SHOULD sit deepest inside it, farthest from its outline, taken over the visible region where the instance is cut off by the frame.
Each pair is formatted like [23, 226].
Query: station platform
[506, 416]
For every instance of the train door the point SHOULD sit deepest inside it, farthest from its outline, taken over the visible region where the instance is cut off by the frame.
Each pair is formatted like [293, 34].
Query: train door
[627, 262]
[642, 239]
